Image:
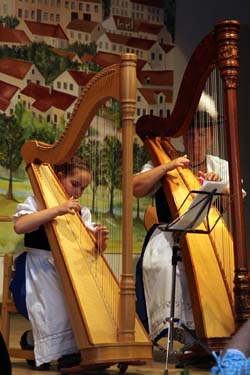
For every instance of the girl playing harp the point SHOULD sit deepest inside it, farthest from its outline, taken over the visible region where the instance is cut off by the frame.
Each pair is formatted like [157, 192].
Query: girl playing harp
[36, 288]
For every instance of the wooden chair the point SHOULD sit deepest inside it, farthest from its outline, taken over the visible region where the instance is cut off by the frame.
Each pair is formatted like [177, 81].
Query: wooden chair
[8, 308]
[150, 217]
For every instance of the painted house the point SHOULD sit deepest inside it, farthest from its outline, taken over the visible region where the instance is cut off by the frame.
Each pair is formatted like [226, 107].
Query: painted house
[72, 82]
[8, 97]
[150, 10]
[72, 56]
[83, 31]
[19, 73]
[53, 35]
[58, 11]
[147, 50]
[137, 28]
[154, 93]
[48, 104]
[13, 38]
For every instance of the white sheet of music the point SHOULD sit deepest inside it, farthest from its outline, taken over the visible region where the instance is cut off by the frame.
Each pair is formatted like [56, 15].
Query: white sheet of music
[199, 207]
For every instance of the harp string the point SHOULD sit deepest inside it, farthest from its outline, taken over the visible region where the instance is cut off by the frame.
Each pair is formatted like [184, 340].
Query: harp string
[212, 140]
[73, 235]
[211, 102]
[98, 149]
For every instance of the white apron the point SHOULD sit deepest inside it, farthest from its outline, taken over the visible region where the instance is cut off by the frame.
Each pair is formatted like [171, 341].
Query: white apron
[47, 309]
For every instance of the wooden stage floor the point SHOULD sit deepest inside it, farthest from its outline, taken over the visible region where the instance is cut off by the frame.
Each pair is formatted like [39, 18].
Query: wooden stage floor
[157, 366]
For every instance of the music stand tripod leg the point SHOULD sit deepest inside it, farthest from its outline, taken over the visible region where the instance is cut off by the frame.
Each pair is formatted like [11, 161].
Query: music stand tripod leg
[171, 320]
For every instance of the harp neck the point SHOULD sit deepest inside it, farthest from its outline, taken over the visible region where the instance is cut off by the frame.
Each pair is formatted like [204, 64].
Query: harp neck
[217, 48]
[117, 82]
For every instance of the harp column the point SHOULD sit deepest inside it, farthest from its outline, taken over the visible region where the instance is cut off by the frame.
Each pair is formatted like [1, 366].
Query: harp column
[227, 35]
[126, 309]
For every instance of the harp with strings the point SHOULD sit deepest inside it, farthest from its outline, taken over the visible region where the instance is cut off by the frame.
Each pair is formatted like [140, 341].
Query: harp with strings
[101, 309]
[215, 263]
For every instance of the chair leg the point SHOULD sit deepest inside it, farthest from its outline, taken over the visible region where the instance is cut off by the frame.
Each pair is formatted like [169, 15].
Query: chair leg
[8, 308]
[7, 300]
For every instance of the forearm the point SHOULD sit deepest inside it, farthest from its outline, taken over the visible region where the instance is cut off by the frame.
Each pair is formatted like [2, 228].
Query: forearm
[28, 223]
[144, 182]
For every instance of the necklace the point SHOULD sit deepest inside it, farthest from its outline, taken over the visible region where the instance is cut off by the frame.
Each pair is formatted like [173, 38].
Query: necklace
[198, 165]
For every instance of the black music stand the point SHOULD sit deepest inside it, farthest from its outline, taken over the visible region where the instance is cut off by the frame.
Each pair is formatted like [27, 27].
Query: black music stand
[189, 222]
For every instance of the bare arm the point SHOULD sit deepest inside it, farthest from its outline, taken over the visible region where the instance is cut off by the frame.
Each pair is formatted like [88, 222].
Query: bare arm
[144, 182]
[29, 222]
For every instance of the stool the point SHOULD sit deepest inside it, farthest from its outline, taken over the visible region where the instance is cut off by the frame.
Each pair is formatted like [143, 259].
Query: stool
[150, 217]
[8, 308]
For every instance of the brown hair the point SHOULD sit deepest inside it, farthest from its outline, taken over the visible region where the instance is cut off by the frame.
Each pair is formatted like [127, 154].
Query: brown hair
[69, 167]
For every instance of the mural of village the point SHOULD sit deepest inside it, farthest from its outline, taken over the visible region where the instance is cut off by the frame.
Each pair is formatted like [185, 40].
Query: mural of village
[49, 50]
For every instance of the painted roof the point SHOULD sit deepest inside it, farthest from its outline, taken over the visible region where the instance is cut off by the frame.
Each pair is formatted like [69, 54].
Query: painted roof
[66, 54]
[139, 43]
[7, 91]
[81, 78]
[105, 59]
[81, 25]
[10, 35]
[45, 29]
[15, 68]
[45, 98]
[157, 77]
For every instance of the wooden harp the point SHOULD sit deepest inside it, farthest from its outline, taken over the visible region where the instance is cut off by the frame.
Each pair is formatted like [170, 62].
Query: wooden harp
[101, 309]
[219, 290]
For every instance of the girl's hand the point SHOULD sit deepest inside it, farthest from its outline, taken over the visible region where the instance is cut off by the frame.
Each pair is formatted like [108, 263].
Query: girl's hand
[101, 235]
[70, 206]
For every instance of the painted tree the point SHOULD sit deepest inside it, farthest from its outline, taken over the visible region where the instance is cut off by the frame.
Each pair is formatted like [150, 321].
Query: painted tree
[11, 140]
[111, 166]
[15, 130]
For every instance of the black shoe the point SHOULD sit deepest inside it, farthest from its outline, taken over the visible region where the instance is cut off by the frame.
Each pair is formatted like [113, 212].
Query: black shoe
[194, 355]
[31, 362]
[69, 360]
[24, 341]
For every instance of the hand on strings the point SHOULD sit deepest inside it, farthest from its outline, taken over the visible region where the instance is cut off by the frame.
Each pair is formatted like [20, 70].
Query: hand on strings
[209, 176]
[101, 235]
[70, 206]
[181, 161]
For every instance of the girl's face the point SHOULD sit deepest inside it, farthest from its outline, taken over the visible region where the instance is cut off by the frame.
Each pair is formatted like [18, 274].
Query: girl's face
[75, 183]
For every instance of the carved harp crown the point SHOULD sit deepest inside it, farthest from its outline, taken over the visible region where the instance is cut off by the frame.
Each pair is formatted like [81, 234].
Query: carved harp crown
[102, 311]
[207, 277]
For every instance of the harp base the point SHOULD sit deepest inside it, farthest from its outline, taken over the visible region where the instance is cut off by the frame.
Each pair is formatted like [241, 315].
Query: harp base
[116, 353]
[103, 356]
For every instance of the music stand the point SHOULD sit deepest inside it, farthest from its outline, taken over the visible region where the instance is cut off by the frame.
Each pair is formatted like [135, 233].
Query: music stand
[188, 223]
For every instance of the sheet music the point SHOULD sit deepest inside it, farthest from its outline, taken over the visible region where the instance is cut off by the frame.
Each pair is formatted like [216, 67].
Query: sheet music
[199, 207]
